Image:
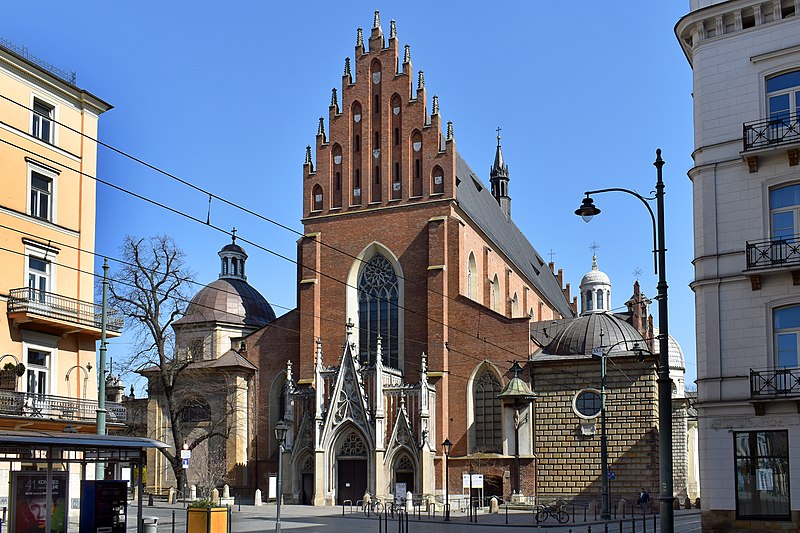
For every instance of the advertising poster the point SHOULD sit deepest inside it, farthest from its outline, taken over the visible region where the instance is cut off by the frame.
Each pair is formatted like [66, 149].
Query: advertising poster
[29, 508]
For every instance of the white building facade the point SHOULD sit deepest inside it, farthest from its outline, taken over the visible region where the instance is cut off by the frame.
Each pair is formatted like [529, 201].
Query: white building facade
[745, 56]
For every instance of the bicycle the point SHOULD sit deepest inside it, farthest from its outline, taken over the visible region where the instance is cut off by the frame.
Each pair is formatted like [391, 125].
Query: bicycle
[543, 512]
[375, 505]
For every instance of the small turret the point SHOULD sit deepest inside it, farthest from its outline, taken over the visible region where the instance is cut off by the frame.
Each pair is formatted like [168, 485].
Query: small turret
[498, 177]
[232, 258]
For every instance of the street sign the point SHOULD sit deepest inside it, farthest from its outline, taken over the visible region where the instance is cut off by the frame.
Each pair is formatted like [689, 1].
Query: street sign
[186, 454]
[612, 476]
[185, 463]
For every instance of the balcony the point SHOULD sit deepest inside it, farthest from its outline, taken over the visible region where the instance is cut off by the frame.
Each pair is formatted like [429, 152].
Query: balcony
[49, 407]
[60, 313]
[773, 253]
[770, 135]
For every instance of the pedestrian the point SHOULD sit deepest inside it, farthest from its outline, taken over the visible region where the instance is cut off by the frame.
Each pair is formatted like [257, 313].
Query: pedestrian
[644, 500]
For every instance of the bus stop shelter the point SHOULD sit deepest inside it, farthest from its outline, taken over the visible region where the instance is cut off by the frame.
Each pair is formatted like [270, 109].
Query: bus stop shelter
[49, 448]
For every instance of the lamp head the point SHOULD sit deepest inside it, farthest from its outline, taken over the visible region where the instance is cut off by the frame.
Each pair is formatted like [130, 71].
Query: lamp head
[447, 445]
[281, 428]
[587, 209]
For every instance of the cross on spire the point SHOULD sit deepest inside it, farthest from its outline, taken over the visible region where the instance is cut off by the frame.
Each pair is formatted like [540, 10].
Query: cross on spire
[637, 272]
[233, 235]
[498, 135]
[594, 247]
[551, 254]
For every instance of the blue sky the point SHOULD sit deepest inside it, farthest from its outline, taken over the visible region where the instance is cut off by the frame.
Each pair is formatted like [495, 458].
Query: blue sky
[227, 96]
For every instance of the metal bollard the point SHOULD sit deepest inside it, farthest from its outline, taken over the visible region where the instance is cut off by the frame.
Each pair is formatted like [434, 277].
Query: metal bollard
[644, 523]
[573, 513]
[633, 525]
[150, 499]
[605, 528]
[173, 521]
[584, 514]
[655, 523]
[506, 512]
[620, 526]
[589, 530]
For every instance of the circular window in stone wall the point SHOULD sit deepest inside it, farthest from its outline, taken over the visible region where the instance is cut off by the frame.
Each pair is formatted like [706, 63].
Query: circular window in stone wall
[586, 403]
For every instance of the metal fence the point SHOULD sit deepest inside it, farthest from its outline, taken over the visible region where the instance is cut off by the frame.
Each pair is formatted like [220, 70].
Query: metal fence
[52, 305]
[34, 405]
[771, 132]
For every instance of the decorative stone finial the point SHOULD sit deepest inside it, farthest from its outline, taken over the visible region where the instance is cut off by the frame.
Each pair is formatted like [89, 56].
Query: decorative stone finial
[347, 72]
[349, 329]
[319, 352]
[421, 81]
[334, 101]
[435, 105]
[424, 363]
[321, 128]
[376, 20]
[407, 54]
[360, 38]
[392, 29]
[450, 130]
[289, 371]
[308, 155]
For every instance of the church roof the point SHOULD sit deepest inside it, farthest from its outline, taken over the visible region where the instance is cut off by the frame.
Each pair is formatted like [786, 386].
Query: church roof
[476, 200]
[579, 336]
[228, 300]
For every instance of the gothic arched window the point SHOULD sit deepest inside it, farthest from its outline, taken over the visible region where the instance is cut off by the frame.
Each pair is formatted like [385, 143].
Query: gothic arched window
[472, 277]
[589, 300]
[378, 310]
[600, 304]
[486, 413]
[494, 296]
[514, 306]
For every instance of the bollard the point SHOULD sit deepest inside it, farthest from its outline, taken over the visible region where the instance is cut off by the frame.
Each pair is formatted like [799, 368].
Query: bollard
[584, 514]
[506, 512]
[150, 499]
[605, 528]
[655, 523]
[633, 525]
[173, 521]
[620, 526]
[644, 523]
[589, 530]
[343, 509]
[573, 513]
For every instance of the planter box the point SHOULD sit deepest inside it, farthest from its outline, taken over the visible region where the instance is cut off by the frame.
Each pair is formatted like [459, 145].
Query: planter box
[213, 520]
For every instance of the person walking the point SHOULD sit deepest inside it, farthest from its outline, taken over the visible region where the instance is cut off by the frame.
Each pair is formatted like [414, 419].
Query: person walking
[644, 500]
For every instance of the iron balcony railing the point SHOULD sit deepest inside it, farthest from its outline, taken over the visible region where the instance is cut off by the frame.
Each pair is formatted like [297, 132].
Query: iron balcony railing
[51, 305]
[772, 132]
[775, 382]
[32, 405]
[773, 252]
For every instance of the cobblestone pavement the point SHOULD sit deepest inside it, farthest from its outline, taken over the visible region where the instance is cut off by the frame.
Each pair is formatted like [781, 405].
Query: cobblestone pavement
[305, 519]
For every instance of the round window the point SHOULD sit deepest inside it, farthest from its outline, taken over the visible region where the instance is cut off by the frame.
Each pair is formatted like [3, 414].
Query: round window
[587, 403]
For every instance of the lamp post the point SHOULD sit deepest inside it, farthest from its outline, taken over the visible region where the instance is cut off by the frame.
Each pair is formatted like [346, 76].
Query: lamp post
[447, 445]
[471, 503]
[587, 210]
[280, 435]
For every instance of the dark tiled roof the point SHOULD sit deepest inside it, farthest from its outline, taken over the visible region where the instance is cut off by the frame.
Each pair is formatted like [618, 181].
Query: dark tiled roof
[576, 337]
[477, 202]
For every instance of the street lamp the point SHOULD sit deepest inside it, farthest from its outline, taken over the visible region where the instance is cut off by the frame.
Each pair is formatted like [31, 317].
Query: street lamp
[602, 352]
[587, 210]
[447, 445]
[280, 435]
[86, 370]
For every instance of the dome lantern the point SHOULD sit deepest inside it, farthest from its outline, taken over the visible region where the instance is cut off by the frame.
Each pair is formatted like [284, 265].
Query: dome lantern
[595, 290]
[232, 259]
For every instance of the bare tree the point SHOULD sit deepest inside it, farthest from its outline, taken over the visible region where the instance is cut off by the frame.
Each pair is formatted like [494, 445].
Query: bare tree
[151, 289]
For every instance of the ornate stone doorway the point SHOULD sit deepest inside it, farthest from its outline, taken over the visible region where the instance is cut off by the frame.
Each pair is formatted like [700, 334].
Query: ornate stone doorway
[351, 469]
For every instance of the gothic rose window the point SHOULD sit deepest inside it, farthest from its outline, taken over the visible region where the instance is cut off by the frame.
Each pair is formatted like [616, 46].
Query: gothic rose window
[353, 446]
[378, 311]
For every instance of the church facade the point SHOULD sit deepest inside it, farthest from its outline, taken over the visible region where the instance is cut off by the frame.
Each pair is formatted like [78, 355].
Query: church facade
[415, 293]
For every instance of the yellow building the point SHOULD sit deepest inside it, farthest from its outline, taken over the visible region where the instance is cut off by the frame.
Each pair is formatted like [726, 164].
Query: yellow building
[50, 324]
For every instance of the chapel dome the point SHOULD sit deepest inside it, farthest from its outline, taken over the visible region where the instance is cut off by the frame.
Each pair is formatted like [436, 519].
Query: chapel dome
[229, 300]
[677, 361]
[582, 334]
[595, 276]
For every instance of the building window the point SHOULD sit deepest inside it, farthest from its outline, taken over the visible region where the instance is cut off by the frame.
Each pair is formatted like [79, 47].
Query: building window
[586, 403]
[786, 326]
[589, 300]
[784, 209]
[514, 306]
[42, 125]
[783, 97]
[41, 196]
[472, 277]
[196, 413]
[762, 474]
[486, 409]
[600, 304]
[316, 199]
[494, 293]
[378, 311]
[37, 371]
[38, 279]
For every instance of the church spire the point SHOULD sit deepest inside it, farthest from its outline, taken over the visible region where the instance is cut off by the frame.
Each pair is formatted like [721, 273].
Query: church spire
[498, 177]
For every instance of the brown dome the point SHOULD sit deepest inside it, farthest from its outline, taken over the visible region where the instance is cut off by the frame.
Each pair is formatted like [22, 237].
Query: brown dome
[228, 300]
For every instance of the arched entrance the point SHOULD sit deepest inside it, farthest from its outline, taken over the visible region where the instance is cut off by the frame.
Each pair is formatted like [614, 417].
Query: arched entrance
[404, 473]
[307, 481]
[351, 469]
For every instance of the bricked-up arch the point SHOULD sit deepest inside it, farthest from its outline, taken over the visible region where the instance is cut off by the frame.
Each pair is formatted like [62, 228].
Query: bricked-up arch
[395, 147]
[392, 342]
[514, 306]
[472, 277]
[317, 198]
[416, 163]
[376, 81]
[336, 173]
[355, 114]
[494, 294]
[437, 180]
[484, 415]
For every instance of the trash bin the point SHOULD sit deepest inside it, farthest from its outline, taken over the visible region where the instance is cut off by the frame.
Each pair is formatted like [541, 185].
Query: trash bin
[150, 524]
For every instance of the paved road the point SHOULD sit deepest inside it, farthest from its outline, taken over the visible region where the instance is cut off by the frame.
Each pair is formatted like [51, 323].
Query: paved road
[304, 519]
